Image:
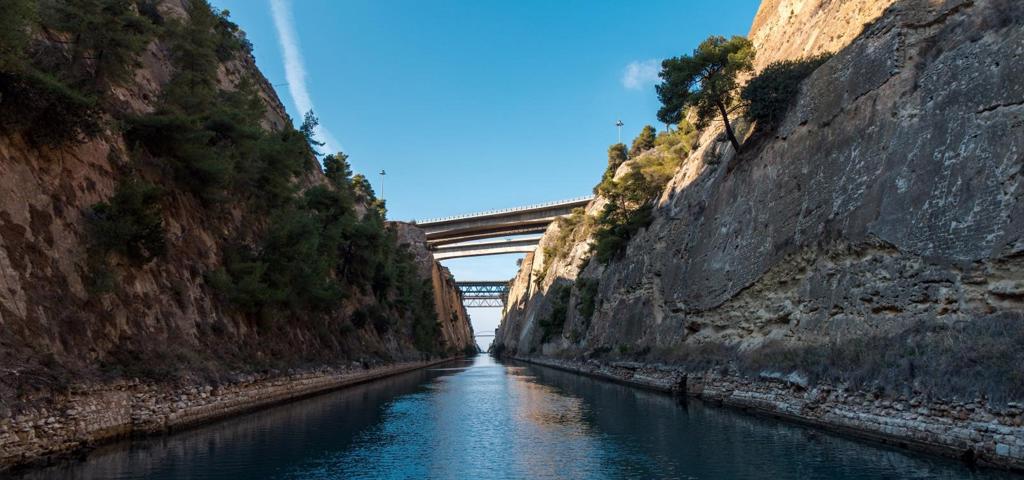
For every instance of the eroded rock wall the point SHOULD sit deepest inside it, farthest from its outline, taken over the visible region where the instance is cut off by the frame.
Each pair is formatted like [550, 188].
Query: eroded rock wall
[163, 321]
[456, 329]
[889, 203]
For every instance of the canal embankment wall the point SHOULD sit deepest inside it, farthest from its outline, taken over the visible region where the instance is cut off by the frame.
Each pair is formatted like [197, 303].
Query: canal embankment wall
[85, 416]
[975, 432]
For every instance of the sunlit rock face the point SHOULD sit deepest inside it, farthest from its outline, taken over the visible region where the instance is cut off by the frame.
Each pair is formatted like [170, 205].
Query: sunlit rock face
[788, 29]
[53, 330]
[455, 327]
[881, 225]
[890, 196]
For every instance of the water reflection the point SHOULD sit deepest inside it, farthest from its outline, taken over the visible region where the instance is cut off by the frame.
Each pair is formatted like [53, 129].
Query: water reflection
[483, 419]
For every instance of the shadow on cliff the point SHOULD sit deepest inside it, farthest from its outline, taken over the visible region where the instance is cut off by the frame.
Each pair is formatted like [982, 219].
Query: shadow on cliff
[813, 163]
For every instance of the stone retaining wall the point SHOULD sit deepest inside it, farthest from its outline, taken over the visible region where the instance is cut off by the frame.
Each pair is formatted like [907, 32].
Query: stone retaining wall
[89, 415]
[972, 431]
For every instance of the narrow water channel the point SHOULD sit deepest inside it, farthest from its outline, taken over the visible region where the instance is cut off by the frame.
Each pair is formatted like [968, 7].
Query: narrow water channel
[482, 419]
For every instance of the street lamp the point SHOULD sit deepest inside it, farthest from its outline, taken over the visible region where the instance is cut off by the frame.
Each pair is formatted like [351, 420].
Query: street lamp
[618, 125]
[382, 173]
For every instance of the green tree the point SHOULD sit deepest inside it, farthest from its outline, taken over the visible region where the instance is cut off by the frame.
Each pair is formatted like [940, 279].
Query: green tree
[587, 303]
[643, 142]
[705, 80]
[362, 188]
[616, 156]
[130, 223]
[193, 51]
[554, 323]
[338, 170]
[107, 37]
[15, 29]
[308, 130]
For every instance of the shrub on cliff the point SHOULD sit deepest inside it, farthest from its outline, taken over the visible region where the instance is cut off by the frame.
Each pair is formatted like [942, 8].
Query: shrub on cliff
[587, 304]
[106, 38]
[130, 223]
[337, 169]
[16, 17]
[643, 142]
[571, 229]
[616, 157]
[553, 323]
[45, 110]
[705, 80]
[615, 228]
[679, 142]
[628, 208]
[210, 138]
[770, 94]
[425, 329]
[58, 59]
[317, 251]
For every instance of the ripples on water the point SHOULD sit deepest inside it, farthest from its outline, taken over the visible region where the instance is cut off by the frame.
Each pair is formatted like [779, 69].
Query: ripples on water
[490, 420]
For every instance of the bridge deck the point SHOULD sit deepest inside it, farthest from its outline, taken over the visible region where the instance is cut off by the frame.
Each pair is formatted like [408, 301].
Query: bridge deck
[441, 233]
[575, 202]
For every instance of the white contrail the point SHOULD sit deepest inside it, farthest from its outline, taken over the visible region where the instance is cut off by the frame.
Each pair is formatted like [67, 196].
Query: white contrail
[294, 69]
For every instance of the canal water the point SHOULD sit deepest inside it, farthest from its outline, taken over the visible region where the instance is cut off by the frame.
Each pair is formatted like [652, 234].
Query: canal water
[481, 419]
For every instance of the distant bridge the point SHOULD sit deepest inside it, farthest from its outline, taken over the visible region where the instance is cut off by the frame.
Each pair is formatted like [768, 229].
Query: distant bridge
[484, 293]
[464, 235]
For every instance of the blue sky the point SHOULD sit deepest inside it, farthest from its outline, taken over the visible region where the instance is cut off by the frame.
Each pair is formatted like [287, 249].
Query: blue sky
[476, 105]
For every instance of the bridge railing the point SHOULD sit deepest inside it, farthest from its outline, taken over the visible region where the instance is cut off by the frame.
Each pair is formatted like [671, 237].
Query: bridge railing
[504, 210]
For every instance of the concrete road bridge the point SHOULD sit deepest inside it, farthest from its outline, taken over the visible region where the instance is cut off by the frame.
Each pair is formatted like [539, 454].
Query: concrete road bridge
[473, 234]
[497, 232]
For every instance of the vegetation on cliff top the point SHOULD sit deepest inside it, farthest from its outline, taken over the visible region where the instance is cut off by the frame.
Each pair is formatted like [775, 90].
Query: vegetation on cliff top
[303, 253]
[630, 197]
[706, 81]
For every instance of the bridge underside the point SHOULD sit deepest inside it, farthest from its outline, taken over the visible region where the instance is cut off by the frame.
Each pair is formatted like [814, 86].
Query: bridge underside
[500, 247]
[496, 232]
[457, 237]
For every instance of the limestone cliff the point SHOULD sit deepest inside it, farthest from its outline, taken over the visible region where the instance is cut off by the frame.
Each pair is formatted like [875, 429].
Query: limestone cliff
[456, 328]
[162, 320]
[875, 241]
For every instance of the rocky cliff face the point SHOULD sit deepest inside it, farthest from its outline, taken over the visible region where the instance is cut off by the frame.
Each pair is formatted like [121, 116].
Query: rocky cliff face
[456, 328]
[876, 236]
[163, 320]
[869, 252]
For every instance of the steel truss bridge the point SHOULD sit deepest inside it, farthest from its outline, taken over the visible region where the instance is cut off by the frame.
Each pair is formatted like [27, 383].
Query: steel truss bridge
[484, 293]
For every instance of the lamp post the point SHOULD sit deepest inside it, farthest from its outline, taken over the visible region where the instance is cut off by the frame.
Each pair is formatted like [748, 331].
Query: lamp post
[618, 126]
[382, 173]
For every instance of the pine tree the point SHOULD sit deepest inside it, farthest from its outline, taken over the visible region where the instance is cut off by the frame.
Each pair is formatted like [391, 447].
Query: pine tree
[705, 80]
[643, 142]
